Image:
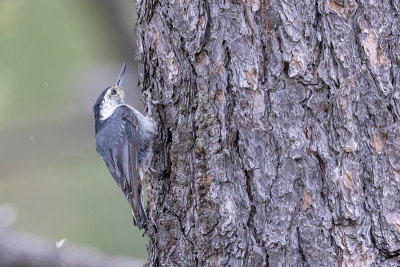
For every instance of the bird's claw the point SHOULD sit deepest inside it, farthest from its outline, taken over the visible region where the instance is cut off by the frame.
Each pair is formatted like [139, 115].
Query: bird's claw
[156, 102]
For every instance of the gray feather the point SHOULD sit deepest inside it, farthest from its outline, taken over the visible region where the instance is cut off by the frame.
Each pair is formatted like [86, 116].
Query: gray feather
[118, 141]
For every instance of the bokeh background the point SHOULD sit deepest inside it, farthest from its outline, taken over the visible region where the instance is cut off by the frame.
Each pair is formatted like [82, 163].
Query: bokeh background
[55, 58]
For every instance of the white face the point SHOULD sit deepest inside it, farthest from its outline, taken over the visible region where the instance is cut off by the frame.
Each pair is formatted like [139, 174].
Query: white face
[113, 98]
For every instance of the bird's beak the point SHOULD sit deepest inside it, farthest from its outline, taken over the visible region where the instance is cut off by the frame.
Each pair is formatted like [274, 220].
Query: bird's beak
[120, 79]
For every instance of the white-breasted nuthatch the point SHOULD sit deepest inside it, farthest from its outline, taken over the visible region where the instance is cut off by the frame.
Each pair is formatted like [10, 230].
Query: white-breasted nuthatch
[123, 140]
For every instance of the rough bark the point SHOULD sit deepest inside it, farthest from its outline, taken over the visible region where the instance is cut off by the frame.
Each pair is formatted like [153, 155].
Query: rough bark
[278, 138]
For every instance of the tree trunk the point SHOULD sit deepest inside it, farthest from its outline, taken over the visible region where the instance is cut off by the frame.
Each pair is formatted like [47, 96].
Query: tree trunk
[278, 138]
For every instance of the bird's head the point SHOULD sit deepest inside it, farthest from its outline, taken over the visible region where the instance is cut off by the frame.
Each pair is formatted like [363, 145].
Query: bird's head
[110, 98]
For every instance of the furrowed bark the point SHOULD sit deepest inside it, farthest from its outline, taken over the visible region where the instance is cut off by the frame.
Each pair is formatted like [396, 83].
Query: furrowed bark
[278, 128]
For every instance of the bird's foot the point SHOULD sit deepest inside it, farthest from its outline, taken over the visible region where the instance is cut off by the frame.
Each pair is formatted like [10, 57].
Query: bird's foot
[156, 102]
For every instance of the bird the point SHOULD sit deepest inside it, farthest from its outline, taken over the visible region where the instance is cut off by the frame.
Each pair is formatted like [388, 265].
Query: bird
[124, 139]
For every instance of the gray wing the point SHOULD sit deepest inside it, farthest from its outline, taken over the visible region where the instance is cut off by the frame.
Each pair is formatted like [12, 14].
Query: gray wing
[122, 161]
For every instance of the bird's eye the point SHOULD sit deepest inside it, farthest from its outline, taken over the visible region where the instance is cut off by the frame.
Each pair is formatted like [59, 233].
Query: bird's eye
[113, 92]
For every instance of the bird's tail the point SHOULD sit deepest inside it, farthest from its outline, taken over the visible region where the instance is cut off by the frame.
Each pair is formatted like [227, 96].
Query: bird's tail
[140, 218]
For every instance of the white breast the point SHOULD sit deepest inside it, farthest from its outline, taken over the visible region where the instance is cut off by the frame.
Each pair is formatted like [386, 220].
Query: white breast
[107, 109]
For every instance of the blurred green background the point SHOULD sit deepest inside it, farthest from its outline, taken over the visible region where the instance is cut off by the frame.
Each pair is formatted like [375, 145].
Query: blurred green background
[55, 58]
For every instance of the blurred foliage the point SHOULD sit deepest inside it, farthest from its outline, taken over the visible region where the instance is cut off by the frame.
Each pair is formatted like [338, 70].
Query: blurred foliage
[40, 42]
[53, 57]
